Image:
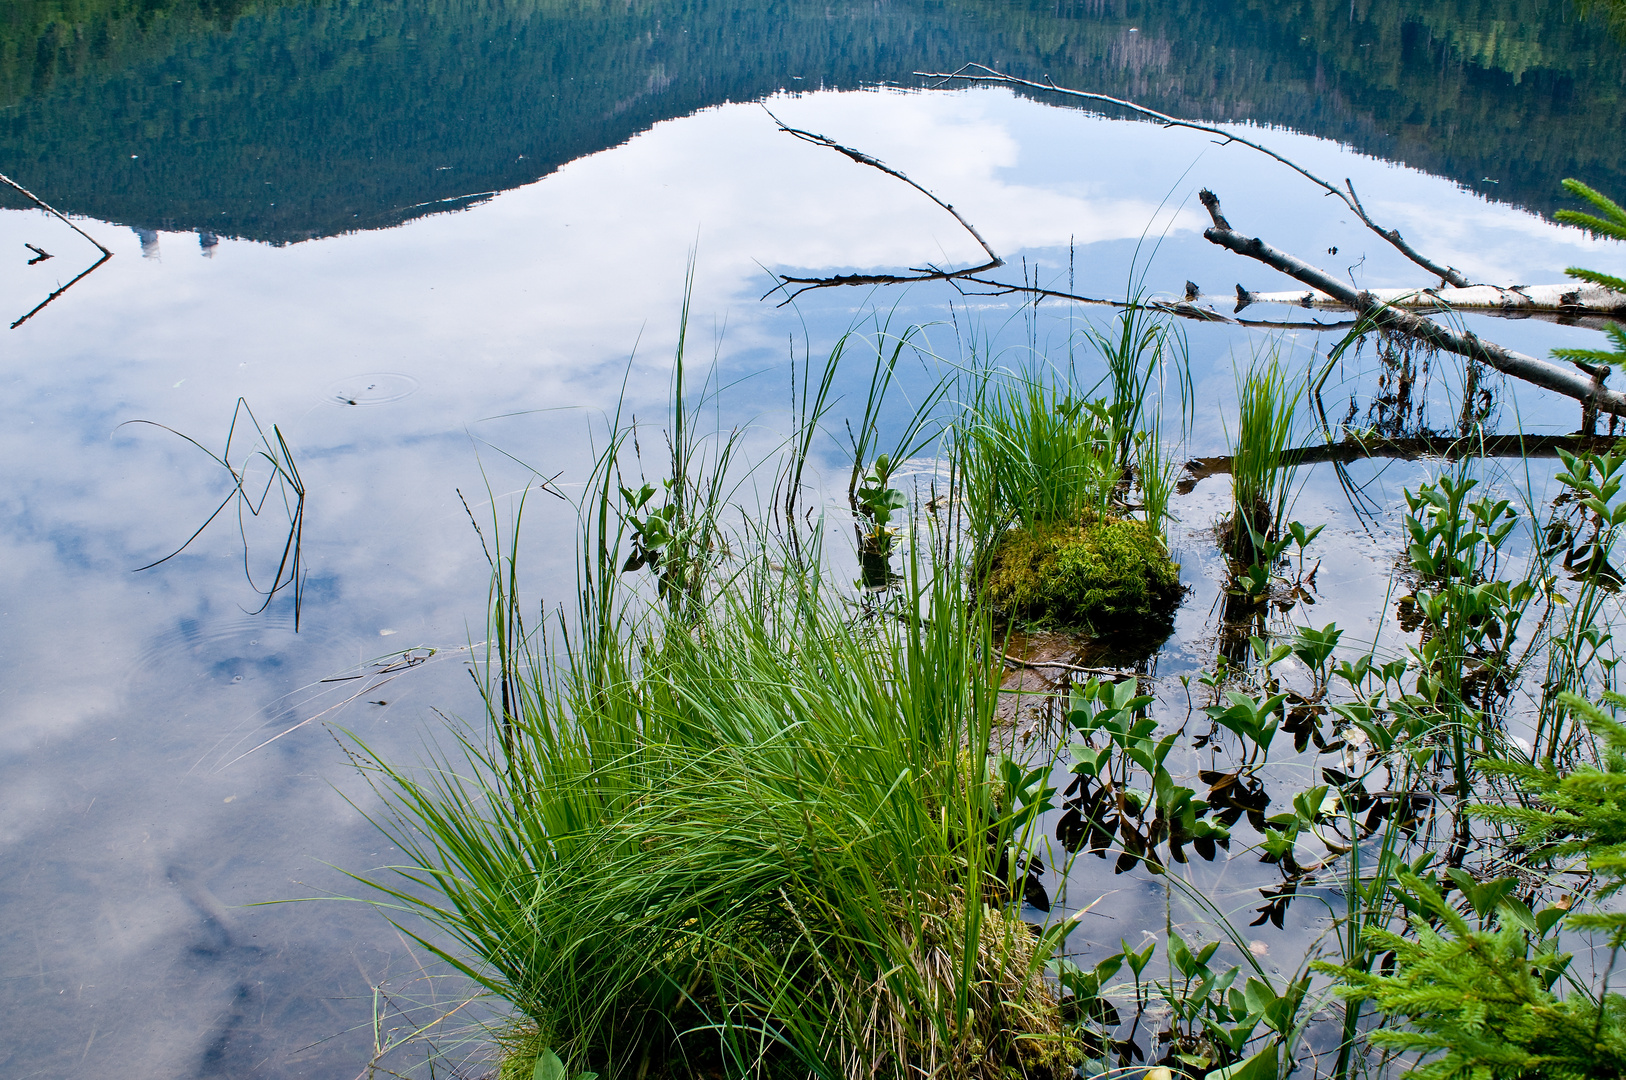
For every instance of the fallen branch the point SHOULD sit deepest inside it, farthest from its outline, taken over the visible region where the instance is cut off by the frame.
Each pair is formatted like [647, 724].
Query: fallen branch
[1569, 298]
[1354, 448]
[1587, 389]
[1377, 311]
[979, 73]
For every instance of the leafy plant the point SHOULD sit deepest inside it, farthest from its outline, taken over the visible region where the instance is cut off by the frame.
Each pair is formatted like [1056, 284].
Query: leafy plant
[1608, 223]
[1479, 1000]
[549, 1067]
[1104, 800]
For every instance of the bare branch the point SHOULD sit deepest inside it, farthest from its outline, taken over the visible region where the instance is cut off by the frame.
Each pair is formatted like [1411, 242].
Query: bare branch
[980, 73]
[1411, 449]
[83, 273]
[1589, 391]
[928, 273]
[1185, 309]
[54, 212]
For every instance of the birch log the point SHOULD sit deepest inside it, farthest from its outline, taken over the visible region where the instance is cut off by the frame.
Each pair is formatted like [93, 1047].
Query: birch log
[1570, 298]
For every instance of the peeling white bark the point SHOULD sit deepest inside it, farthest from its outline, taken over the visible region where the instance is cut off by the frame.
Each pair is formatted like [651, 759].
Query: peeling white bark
[1570, 298]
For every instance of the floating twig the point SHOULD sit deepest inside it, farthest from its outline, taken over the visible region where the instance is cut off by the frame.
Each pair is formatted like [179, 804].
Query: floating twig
[926, 273]
[1036, 665]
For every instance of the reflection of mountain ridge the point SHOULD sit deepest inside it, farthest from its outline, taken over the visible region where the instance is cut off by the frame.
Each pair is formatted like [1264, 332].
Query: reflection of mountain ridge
[280, 120]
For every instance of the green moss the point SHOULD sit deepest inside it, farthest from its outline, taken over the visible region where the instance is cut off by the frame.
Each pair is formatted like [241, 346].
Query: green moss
[1097, 576]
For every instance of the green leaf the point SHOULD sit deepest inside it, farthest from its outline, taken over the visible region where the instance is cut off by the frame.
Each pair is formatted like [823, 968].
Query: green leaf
[1261, 1066]
[549, 1067]
[1180, 956]
[1259, 995]
[1548, 917]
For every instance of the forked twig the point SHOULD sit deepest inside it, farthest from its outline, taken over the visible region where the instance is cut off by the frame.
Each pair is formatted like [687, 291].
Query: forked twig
[60, 216]
[53, 211]
[982, 73]
[926, 273]
[41, 305]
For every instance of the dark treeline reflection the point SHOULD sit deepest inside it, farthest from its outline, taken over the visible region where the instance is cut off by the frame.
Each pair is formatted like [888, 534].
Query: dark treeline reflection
[280, 120]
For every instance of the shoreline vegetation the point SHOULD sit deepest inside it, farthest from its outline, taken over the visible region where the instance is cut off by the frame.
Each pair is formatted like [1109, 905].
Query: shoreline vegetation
[733, 815]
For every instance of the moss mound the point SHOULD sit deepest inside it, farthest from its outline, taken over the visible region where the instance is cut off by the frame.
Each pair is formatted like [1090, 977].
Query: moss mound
[1102, 576]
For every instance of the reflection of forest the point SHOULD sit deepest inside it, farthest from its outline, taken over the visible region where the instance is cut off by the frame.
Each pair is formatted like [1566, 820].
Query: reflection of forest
[285, 119]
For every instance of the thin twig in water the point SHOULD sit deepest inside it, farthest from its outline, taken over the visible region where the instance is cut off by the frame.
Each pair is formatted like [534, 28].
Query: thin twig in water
[410, 658]
[41, 256]
[1036, 665]
[927, 273]
[54, 212]
[41, 305]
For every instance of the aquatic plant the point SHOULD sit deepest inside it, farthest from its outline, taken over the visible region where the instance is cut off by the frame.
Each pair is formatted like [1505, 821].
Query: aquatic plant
[870, 494]
[250, 497]
[745, 833]
[1033, 452]
[1035, 446]
[1497, 997]
[1142, 346]
[1260, 481]
[1051, 478]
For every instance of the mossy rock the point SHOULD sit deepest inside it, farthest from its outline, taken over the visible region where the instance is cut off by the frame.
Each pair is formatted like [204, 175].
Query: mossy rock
[1107, 577]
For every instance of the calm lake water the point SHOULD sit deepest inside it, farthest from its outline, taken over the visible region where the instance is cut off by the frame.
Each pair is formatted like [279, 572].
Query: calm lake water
[433, 241]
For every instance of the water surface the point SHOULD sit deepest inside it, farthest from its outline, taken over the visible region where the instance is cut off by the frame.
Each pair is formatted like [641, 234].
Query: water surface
[273, 181]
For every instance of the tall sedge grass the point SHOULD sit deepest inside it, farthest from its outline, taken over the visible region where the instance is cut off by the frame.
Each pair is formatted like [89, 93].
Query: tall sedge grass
[743, 834]
[1139, 350]
[1267, 401]
[1039, 447]
[1036, 453]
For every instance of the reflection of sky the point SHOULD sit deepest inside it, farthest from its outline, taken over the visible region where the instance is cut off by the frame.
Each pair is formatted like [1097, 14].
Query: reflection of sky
[126, 695]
